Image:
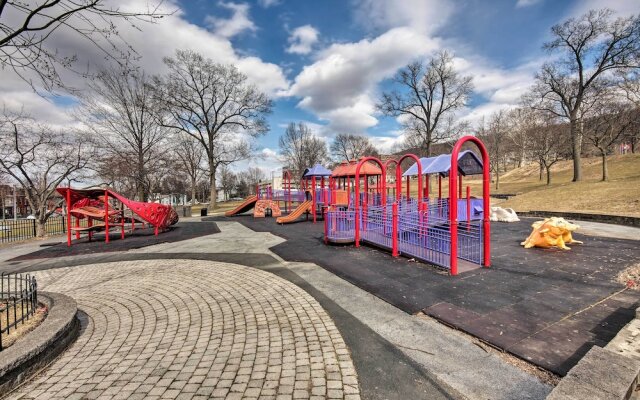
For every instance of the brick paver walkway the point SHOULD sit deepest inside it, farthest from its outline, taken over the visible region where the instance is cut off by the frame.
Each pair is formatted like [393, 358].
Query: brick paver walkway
[193, 329]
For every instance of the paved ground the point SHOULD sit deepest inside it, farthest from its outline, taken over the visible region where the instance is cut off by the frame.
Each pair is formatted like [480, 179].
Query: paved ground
[528, 299]
[184, 230]
[186, 328]
[396, 355]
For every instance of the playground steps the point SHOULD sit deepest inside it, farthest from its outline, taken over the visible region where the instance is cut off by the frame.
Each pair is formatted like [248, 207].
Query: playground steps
[295, 214]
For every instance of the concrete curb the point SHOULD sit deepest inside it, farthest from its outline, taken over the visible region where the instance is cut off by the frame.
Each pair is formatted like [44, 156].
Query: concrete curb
[43, 344]
[604, 218]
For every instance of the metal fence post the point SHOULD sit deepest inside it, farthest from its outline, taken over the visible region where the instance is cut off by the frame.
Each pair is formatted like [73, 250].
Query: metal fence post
[34, 228]
[394, 229]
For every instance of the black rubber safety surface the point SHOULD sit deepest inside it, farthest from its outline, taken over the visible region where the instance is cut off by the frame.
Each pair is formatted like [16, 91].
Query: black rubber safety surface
[138, 239]
[546, 306]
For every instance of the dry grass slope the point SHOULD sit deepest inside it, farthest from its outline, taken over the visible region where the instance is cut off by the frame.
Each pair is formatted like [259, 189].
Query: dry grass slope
[620, 195]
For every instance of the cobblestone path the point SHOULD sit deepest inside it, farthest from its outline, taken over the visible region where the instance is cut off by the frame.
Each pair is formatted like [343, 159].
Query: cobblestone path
[193, 329]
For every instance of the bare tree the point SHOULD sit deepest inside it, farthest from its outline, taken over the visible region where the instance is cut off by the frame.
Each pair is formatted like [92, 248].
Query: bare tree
[612, 121]
[433, 92]
[190, 154]
[39, 159]
[630, 85]
[590, 46]
[119, 111]
[352, 147]
[549, 141]
[228, 181]
[300, 148]
[495, 136]
[214, 104]
[26, 27]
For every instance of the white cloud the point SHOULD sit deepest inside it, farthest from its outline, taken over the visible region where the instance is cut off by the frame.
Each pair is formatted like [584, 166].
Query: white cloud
[302, 39]
[424, 16]
[237, 24]
[621, 8]
[268, 3]
[526, 3]
[340, 85]
[152, 42]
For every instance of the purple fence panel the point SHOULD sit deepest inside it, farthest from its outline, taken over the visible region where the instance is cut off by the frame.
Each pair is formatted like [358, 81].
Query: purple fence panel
[341, 225]
[425, 237]
[376, 226]
[470, 246]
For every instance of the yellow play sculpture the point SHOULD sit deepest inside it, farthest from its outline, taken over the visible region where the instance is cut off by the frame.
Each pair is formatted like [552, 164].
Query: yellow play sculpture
[552, 232]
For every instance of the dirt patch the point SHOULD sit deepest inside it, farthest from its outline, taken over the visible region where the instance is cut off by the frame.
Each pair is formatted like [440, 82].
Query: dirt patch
[630, 277]
[23, 327]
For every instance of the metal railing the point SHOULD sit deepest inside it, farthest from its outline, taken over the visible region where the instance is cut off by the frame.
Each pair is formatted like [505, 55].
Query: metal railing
[24, 228]
[18, 301]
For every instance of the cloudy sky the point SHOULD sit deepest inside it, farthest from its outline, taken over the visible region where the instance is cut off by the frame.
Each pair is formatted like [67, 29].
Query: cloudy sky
[326, 62]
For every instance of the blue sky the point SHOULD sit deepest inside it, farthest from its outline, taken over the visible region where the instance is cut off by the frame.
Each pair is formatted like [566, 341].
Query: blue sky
[504, 36]
[326, 62]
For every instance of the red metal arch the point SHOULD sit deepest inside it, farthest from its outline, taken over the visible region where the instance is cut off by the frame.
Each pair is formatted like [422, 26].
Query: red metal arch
[357, 192]
[399, 175]
[453, 201]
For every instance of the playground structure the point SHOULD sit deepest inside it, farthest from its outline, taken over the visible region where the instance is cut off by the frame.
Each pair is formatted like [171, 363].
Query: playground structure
[447, 232]
[95, 205]
[313, 195]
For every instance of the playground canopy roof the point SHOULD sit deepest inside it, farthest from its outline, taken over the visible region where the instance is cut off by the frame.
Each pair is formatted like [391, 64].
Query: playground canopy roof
[316, 170]
[468, 164]
[349, 169]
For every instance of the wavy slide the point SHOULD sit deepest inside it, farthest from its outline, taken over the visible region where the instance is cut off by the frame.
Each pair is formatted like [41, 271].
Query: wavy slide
[295, 214]
[245, 206]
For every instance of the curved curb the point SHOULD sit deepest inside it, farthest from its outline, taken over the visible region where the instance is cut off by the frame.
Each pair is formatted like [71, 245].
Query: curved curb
[40, 346]
[603, 218]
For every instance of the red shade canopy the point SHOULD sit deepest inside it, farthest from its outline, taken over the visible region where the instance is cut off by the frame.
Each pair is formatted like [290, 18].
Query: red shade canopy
[348, 169]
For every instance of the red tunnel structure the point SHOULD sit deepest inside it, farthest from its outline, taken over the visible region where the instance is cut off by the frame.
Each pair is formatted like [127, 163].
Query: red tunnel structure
[100, 208]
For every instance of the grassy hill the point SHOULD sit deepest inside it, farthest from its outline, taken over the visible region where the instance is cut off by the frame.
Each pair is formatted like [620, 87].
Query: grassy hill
[620, 195]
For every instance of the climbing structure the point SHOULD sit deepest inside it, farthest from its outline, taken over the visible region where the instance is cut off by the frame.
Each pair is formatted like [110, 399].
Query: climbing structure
[103, 213]
[447, 232]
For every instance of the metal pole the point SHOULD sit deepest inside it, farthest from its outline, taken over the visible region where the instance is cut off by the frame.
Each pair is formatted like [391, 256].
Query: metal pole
[394, 230]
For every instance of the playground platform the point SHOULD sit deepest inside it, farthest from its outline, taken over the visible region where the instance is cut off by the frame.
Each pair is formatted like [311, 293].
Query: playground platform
[545, 306]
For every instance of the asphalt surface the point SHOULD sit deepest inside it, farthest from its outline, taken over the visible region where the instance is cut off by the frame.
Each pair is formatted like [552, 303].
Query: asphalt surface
[546, 306]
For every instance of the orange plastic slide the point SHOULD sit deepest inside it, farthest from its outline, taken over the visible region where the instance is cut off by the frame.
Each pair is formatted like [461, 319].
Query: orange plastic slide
[245, 206]
[295, 214]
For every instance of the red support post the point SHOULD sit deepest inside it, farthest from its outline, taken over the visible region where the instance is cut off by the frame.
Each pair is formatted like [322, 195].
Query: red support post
[459, 186]
[394, 230]
[69, 216]
[453, 203]
[439, 186]
[408, 186]
[357, 194]
[106, 215]
[77, 226]
[468, 208]
[122, 220]
[313, 198]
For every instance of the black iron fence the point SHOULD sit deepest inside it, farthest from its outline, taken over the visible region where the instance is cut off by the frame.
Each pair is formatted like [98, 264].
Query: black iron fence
[20, 229]
[18, 301]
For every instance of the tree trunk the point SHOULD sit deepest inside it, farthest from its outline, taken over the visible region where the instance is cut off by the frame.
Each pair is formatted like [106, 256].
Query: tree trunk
[541, 171]
[142, 195]
[497, 178]
[605, 169]
[213, 193]
[41, 230]
[576, 147]
[193, 190]
[548, 175]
